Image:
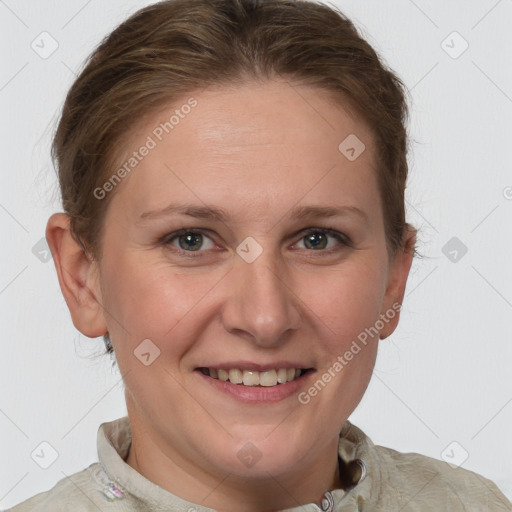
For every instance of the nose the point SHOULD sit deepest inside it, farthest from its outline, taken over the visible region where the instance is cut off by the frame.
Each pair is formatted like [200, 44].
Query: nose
[260, 306]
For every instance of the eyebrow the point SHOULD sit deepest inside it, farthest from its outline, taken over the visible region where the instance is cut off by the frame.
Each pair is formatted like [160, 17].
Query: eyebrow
[219, 214]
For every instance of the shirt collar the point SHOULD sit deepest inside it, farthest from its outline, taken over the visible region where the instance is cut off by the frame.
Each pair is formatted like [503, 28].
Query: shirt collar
[357, 458]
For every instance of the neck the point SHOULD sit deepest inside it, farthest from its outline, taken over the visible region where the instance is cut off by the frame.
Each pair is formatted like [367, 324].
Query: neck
[226, 492]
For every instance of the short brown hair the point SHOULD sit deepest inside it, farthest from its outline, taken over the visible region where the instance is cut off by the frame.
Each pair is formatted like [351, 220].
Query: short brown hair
[173, 47]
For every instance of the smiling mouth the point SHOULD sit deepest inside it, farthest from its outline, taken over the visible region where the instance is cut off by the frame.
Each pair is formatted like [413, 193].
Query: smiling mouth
[255, 378]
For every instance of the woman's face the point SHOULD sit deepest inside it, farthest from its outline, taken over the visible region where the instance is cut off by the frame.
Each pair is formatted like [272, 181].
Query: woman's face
[246, 286]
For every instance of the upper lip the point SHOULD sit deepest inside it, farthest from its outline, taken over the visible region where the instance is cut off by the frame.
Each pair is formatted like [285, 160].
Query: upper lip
[248, 365]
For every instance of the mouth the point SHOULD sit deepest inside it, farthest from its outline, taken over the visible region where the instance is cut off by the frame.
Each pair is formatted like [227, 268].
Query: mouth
[253, 386]
[267, 378]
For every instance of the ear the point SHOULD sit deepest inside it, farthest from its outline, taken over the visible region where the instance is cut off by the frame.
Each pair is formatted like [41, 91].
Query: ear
[78, 277]
[398, 273]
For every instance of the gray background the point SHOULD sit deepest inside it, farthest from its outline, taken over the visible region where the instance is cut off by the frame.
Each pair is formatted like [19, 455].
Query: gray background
[444, 377]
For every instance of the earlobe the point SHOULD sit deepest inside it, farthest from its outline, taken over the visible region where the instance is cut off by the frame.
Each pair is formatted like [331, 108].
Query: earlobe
[398, 274]
[78, 277]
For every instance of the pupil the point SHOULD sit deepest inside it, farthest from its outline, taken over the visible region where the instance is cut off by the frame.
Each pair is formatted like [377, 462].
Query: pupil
[310, 240]
[191, 241]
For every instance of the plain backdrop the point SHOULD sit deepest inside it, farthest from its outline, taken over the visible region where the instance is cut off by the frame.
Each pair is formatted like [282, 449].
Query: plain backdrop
[442, 382]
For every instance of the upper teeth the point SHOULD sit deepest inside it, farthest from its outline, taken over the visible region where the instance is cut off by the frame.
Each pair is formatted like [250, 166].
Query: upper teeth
[254, 378]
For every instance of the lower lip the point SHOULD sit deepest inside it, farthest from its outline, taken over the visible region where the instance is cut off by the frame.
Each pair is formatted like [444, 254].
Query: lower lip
[257, 394]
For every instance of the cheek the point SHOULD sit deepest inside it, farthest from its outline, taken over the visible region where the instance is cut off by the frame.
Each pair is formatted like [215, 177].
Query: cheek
[346, 300]
[149, 299]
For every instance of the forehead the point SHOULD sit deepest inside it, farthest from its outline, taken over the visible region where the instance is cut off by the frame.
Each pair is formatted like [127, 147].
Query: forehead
[268, 141]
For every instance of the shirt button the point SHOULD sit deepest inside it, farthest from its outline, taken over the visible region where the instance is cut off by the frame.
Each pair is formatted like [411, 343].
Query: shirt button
[327, 502]
[362, 465]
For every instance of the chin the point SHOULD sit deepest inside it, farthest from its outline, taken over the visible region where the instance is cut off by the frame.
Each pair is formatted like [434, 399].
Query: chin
[261, 450]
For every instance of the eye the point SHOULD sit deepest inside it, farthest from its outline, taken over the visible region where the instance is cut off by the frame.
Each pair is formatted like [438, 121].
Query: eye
[318, 239]
[188, 240]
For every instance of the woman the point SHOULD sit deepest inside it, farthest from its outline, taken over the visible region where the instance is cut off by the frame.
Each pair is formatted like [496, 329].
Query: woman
[233, 177]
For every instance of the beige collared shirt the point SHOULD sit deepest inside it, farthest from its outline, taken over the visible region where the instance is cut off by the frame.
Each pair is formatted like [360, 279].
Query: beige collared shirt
[384, 481]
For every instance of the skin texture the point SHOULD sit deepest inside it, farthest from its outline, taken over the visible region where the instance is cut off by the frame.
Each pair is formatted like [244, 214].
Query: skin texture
[257, 151]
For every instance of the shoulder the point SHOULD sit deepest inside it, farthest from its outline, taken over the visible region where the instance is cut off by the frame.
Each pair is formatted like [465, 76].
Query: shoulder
[80, 492]
[423, 480]
[411, 482]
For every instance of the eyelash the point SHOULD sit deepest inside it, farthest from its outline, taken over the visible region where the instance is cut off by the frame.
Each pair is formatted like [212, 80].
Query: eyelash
[169, 238]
